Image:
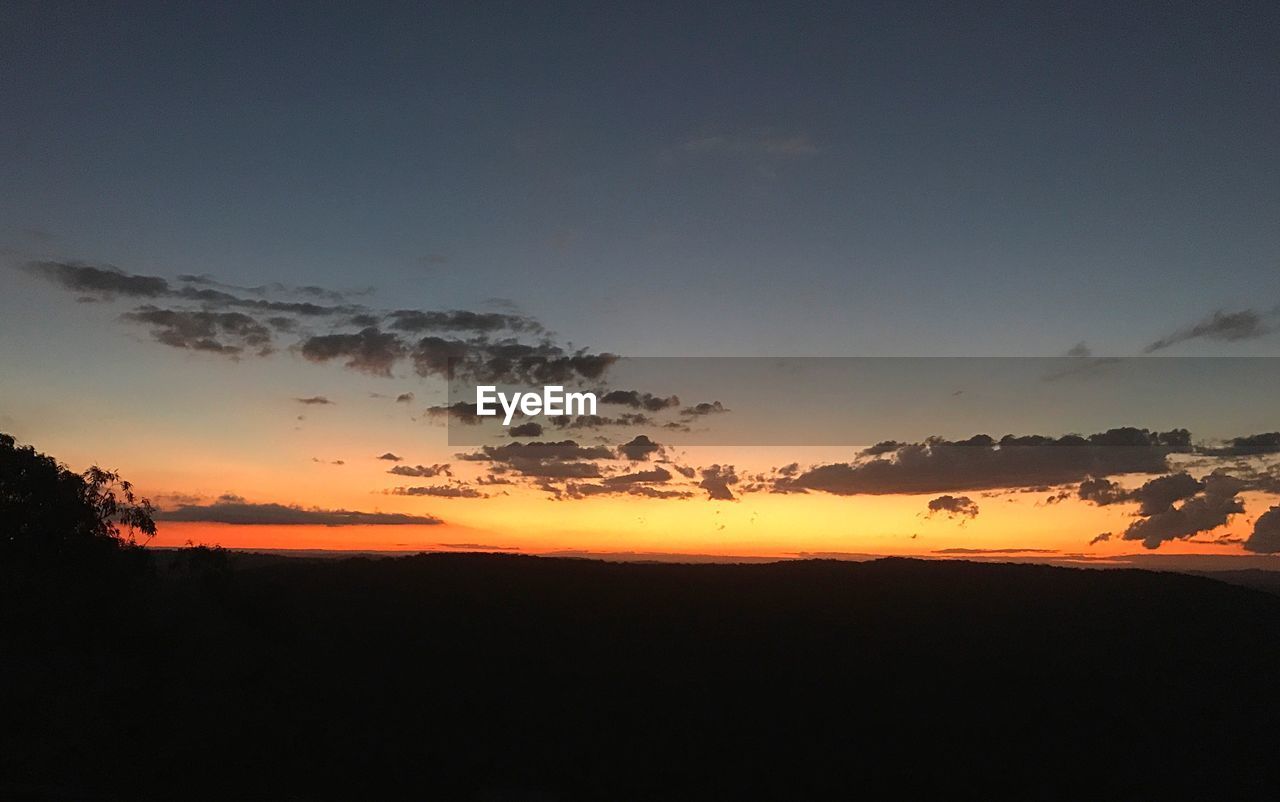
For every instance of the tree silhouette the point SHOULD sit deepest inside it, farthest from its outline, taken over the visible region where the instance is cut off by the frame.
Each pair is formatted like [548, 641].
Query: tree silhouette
[51, 514]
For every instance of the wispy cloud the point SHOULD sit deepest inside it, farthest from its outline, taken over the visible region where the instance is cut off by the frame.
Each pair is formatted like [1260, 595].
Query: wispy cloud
[1224, 326]
[200, 313]
[439, 491]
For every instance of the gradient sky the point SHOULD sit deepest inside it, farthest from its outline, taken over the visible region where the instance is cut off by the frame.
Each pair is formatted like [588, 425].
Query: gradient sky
[649, 180]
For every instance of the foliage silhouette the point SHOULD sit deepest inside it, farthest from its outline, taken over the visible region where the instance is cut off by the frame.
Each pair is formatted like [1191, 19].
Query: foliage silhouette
[49, 513]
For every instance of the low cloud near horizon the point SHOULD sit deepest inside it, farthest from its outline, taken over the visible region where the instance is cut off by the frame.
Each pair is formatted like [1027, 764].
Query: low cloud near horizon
[235, 510]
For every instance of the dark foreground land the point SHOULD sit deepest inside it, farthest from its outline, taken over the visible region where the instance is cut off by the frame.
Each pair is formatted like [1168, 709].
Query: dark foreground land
[502, 677]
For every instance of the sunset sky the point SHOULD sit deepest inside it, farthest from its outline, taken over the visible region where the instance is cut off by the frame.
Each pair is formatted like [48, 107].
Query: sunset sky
[238, 246]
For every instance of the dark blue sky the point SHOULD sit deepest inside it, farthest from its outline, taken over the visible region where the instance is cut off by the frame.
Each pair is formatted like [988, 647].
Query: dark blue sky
[735, 179]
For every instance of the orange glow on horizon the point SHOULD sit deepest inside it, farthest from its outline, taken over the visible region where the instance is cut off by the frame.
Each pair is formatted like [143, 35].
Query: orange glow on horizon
[302, 470]
[757, 525]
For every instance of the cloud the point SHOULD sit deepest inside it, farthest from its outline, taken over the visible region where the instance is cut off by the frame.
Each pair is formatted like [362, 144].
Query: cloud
[104, 281]
[477, 547]
[600, 421]
[235, 510]
[218, 299]
[1201, 513]
[638, 483]
[368, 351]
[982, 463]
[555, 471]
[1161, 493]
[205, 316]
[1224, 326]
[1263, 479]
[1206, 503]
[883, 447]
[320, 293]
[1153, 496]
[954, 506]
[639, 448]
[506, 361]
[548, 460]
[414, 320]
[421, 471]
[658, 475]
[461, 411]
[313, 400]
[704, 408]
[530, 429]
[1102, 492]
[648, 491]
[1266, 533]
[1251, 445]
[567, 469]
[333, 296]
[439, 491]
[227, 333]
[1080, 361]
[404, 398]
[639, 400]
[716, 481]
[581, 491]
[165, 500]
[436, 356]
[557, 451]
[994, 551]
[512, 362]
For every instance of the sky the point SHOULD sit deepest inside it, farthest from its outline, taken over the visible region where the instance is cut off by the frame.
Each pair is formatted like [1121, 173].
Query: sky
[1079, 181]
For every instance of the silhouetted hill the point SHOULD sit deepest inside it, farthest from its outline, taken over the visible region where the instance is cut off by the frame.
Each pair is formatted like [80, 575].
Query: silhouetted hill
[1256, 578]
[495, 677]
